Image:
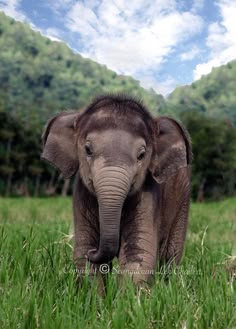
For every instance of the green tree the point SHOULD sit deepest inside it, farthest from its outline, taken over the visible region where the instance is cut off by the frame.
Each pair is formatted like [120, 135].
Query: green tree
[214, 150]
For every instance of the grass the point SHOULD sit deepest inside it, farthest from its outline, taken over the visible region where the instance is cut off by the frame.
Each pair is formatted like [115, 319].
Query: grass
[37, 276]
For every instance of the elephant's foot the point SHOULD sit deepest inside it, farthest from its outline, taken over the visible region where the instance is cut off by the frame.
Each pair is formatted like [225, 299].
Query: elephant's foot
[92, 272]
[139, 274]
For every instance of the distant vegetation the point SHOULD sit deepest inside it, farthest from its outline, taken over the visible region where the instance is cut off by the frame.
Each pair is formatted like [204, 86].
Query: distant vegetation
[213, 95]
[214, 156]
[39, 78]
[208, 109]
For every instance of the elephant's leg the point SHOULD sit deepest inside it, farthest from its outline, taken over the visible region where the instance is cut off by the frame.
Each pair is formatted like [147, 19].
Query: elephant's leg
[171, 249]
[84, 240]
[138, 259]
[83, 243]
[86, 237]
[138, 250]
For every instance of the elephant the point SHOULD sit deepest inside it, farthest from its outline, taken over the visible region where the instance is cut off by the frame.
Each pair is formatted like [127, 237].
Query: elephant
[132, 185]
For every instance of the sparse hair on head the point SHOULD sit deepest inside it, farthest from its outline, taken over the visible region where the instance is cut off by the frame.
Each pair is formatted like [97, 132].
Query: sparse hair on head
[118, 102]
[122, 112]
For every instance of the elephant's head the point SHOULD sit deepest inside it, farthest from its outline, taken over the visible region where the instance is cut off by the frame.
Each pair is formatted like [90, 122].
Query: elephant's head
[114, 143]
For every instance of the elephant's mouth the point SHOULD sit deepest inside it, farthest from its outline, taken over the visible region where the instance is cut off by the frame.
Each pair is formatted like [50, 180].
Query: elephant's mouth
[132, 189]
[91, 186]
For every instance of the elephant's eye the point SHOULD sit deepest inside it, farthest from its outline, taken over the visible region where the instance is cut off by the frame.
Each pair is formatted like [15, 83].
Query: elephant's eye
[88, 150]
[141, 154]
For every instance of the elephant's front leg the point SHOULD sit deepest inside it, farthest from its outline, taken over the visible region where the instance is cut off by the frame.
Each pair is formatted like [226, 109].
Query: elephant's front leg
[85, 240]
[138, 250]
[172, 244]
[86, 237]
[171, 249]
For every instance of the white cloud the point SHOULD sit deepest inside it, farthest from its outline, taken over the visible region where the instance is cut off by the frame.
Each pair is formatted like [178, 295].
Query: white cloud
[221, 39]
[11, 8]
[191, 54]
[58, 6]
[132, 37]
[197, 5]
[53, 34]
[163, 86]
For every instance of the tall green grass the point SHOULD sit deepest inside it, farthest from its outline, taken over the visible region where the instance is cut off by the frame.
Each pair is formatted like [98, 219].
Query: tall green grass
[37, 276]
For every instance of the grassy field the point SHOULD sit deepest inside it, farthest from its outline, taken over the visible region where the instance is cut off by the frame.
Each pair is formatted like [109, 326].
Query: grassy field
[37, 277]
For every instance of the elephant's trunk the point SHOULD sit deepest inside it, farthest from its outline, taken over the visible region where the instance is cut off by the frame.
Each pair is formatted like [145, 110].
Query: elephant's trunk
[112, 185]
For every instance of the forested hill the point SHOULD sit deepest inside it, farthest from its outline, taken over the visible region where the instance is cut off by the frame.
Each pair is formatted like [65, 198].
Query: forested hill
[39, 77]
[213, 95]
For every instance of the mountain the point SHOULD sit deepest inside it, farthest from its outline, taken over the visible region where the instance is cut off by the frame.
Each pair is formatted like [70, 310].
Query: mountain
[213, 95]
[39, 77]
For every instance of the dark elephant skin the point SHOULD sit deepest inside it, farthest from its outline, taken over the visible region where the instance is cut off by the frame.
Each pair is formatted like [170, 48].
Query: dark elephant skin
[132, 187]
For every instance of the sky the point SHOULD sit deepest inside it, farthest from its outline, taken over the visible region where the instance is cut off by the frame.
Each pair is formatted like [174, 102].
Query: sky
[161, 43]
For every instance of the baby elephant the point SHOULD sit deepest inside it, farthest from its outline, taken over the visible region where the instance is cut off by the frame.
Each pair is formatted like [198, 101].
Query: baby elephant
[132, 187]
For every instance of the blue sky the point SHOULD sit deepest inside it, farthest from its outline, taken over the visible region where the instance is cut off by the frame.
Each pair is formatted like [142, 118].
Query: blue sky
[161, 43]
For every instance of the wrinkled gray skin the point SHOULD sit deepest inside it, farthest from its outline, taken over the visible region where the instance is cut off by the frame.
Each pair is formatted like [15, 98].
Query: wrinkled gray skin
[132, 187]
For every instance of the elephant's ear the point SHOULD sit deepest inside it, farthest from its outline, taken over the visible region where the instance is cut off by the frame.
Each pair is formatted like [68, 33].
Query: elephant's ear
[172, 149]
[59, 143]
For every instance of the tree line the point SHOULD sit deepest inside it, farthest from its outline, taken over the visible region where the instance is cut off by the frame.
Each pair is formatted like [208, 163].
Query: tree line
[22, 173]
[214, 156]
